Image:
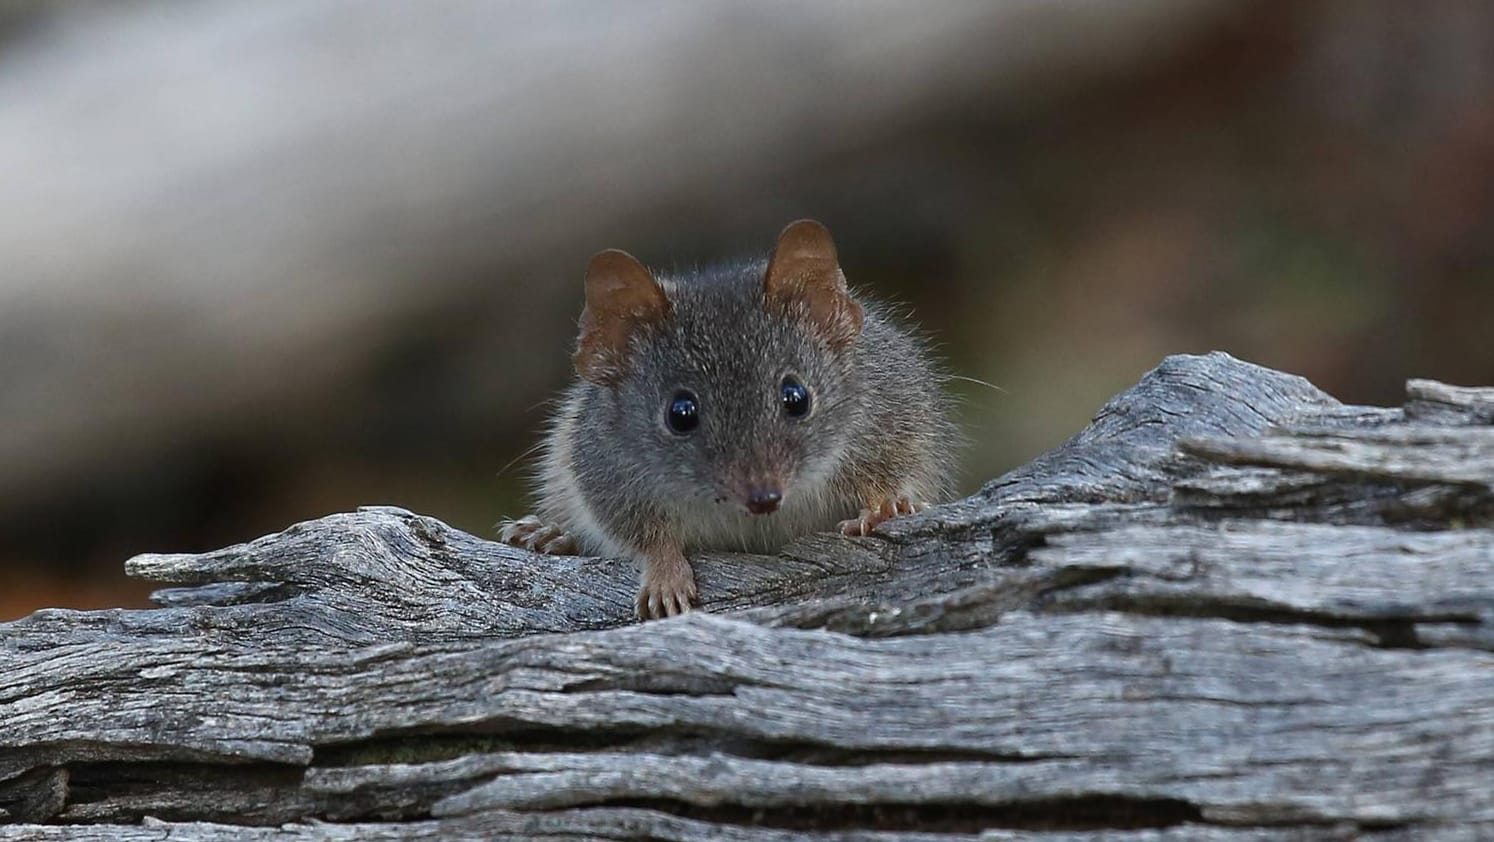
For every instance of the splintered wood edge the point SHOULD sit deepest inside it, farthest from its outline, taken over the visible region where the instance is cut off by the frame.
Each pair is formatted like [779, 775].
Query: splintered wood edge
[380, 645]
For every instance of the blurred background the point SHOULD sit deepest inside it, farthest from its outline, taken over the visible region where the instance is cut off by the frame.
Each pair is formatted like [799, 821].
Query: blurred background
[261, 262]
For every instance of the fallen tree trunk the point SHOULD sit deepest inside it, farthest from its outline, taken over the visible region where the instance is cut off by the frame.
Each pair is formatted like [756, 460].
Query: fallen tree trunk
[1231, 608]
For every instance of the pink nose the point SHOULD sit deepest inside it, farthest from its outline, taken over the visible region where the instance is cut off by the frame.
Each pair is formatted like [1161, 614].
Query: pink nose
[763, 501]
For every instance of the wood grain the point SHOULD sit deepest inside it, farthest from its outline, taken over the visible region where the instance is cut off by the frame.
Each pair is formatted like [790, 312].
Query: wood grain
[1230, 608]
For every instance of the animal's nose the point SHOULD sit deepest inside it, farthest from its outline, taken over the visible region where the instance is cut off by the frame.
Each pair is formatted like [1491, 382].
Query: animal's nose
[762, 501]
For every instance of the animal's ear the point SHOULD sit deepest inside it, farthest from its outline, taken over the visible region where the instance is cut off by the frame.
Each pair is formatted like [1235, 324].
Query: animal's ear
[804, 281]
[622, 298]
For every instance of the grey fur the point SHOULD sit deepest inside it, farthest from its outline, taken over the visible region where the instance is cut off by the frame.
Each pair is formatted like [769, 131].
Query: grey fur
[619, 481]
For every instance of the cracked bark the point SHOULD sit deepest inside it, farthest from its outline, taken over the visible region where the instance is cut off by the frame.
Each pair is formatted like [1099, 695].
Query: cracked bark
[1230, 608]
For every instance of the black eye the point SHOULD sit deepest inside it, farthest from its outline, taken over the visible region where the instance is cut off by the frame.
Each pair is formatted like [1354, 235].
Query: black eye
[684, 412]
[795, 398]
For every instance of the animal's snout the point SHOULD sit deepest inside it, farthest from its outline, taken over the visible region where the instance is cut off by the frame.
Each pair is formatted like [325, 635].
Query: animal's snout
[763, 501]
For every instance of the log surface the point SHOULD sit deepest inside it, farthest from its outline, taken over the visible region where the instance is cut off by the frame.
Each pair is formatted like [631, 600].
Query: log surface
[1231, 608]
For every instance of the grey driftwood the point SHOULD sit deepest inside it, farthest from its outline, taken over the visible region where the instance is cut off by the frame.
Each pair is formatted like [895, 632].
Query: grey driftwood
[1231, 608]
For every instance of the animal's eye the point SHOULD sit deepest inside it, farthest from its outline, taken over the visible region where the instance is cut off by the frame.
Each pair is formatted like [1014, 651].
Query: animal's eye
[684, 412]
[795, 397]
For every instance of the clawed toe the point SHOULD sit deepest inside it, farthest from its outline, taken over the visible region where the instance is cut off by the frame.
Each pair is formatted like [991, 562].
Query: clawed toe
[668, 587]
[658, 602]
[533, 534]
[870, 519]
[857, 526]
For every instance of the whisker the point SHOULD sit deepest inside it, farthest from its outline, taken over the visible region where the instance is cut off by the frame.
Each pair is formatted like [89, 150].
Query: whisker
[514, 461]
[979, 382]
[545, 402]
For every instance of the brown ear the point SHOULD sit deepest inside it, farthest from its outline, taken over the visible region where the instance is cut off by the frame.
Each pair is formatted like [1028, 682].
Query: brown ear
[804, 281]
[622, 298]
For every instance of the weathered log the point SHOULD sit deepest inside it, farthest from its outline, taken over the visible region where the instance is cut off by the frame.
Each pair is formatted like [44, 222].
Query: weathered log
[1231, 608]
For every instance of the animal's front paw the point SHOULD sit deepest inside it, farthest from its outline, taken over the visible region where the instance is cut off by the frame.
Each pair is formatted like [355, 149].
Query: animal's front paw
[531, 533]
[668, 589]
[871, 518]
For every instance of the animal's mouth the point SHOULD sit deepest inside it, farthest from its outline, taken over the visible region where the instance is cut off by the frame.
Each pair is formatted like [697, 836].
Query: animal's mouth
[758, 490]
[758, 495]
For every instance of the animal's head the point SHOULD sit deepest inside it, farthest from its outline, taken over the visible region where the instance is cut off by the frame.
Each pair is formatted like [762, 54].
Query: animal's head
[737, 384]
